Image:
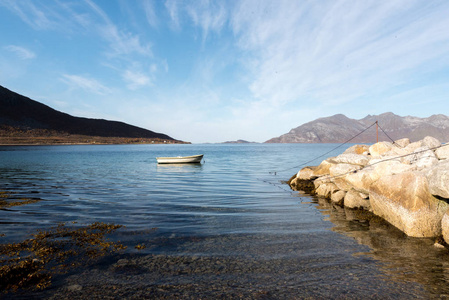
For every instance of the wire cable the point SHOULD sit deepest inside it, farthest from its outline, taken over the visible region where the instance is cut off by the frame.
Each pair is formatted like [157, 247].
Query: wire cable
[307, 162]
[378, 162]
[394, 143]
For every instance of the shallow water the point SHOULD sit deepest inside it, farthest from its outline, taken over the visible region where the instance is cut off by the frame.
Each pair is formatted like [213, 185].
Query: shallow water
[272, 242]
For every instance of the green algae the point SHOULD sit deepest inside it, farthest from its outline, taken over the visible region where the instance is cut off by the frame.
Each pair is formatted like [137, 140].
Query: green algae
[7, 199]
[32, 263]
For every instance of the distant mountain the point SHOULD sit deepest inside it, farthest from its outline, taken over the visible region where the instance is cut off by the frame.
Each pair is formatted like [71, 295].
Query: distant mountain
[238, 142]
[339, 129]
[22, 113]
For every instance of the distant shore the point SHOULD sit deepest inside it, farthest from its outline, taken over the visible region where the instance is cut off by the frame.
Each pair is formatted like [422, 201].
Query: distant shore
[80, 140]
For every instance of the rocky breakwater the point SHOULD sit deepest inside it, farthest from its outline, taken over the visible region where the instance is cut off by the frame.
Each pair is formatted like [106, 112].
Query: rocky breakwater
[405, 183]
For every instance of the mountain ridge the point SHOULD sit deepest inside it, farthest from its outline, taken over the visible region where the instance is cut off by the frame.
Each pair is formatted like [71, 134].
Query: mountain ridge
[22, 113]
[339, 128]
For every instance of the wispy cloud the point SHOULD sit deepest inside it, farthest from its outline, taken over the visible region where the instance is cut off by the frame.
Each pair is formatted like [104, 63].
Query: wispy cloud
[151, 16]
[208, 15]
[76, 18]
[121, 42]
[21, 52]
[136, 79]
[84, 83]
[29, 13]
[50, 15]
[334, 52]
[172, 7]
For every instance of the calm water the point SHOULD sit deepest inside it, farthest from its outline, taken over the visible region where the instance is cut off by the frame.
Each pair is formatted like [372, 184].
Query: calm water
[230, 206]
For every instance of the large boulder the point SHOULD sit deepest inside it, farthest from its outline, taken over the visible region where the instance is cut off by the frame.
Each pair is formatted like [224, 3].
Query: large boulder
[306, 173]
[402, 143]
[363, 179]
[413, 146]
[443, 152]
[357, 149]
[306, 186]
[352, 159]
[425, 158]
[380, 148]
[438, 178]
[360, 180]
[431, 142]
[390, 167]
[323, 168]
[339, 172]
[397, 152]
[445, 227]
[355, 199]
[338, 197]
[325, 189]
[405, 201]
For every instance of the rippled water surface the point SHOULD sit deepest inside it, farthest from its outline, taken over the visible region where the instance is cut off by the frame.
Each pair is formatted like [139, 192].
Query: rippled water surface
[272, 242]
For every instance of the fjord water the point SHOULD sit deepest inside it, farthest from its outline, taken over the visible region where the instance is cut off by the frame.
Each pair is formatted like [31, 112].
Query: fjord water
[232, 208]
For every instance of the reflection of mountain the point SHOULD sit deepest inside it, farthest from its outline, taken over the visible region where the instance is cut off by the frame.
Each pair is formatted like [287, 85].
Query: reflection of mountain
[339, 129]
[19, 113]
[402, 258]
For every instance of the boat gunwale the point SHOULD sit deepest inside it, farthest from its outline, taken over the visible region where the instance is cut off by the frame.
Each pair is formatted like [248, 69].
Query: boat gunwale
[180, 159]
[174, 157]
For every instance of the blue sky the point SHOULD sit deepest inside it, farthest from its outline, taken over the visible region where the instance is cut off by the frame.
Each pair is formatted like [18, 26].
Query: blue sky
[213, 71]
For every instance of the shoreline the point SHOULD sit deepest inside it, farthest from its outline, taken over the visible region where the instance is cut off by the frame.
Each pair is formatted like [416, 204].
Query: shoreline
[82, 140]
[83, 144]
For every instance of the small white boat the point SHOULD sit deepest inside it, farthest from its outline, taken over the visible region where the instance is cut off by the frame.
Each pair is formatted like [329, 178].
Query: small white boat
[180, 159]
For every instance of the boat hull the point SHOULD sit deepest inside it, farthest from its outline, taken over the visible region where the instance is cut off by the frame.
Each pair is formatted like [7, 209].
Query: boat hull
[180, 159]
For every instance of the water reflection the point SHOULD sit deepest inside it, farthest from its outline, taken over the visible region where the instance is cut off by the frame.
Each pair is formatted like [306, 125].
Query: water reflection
[403, 258]
[179, 167]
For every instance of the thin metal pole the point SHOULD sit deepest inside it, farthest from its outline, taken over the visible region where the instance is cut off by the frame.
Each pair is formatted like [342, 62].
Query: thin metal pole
[377, 132]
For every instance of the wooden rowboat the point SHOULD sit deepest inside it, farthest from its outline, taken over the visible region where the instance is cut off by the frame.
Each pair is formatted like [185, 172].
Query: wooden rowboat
[180, 159]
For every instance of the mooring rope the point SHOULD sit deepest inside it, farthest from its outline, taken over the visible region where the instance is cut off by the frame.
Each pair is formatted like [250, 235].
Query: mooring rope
[324, 154]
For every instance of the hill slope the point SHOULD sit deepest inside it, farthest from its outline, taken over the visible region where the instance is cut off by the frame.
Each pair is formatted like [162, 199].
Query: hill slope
[20, 112]
[339, 129]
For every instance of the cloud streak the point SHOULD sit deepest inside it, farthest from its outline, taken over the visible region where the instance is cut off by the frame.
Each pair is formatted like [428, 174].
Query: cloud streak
[136, 79]
[87, 84]
[29, 13]
[150, 14]
[120, 42]
[21, 52]
[208, 15]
